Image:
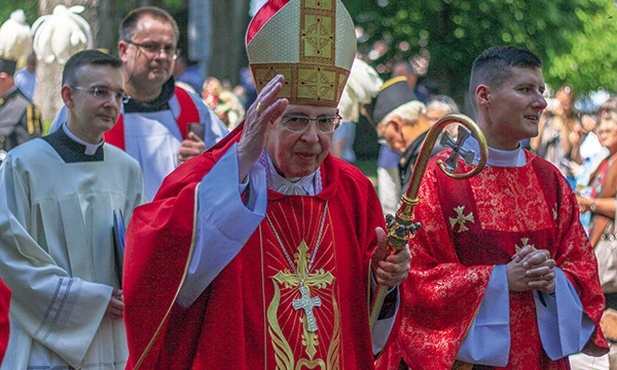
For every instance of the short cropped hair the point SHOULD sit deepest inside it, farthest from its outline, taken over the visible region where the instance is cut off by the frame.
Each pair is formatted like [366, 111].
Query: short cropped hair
[495, 65]
[84, 58]
[129, 23]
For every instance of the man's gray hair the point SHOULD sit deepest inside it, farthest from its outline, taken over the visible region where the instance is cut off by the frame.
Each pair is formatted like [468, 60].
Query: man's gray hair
[408, 112]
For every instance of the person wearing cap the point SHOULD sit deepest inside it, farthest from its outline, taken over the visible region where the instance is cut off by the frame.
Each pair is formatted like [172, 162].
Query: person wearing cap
[20, 119]
[262, 252]
[503, 275]
[154, 126]
[401, 121]
[58, 198]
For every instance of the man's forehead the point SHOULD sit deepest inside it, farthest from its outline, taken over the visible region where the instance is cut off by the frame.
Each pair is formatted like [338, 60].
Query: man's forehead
[100, 75]
[310, 110]
[145, 23]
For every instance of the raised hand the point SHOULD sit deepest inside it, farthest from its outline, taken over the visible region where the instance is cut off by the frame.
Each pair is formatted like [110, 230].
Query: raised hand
[266, 108]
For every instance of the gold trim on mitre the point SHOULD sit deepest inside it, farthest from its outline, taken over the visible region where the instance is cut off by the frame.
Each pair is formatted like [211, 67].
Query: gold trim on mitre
[312, 43]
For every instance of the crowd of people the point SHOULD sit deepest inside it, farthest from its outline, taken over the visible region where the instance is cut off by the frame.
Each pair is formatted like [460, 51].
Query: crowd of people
[177, 222]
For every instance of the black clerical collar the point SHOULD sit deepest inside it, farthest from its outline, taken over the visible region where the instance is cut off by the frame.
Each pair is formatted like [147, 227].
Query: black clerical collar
[71, 151]
[160, 103]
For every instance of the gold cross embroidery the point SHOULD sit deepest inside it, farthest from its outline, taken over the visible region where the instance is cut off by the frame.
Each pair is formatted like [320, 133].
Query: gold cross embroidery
[320, 279]
[461, 219]
[523, 245]
[318, 36]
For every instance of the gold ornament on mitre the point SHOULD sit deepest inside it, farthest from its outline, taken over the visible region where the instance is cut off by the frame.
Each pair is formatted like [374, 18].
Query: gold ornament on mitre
[312, 43]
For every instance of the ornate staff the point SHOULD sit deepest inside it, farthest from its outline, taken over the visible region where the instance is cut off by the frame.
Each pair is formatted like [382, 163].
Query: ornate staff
[401, 227]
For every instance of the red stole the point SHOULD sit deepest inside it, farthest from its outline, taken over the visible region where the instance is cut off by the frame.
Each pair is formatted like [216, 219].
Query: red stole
[188, 114]
[5, 301]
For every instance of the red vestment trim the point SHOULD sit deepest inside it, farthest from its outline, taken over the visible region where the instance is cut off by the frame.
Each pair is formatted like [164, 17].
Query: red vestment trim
[188, 114]
[5, 301]
[263, 15]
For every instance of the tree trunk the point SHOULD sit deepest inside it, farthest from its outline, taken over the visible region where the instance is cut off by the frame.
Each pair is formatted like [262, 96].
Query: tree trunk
[230, 20]
[47, 94]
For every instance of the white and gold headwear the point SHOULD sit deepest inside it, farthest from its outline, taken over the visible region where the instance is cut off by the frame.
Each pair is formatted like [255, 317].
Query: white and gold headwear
[312, 43]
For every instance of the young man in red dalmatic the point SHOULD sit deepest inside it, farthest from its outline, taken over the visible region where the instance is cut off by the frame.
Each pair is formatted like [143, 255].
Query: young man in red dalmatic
[503, 275]
[261, 253]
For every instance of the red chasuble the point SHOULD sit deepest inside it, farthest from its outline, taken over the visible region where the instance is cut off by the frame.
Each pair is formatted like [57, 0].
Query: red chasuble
[5, 301]
[262, 309]
[468, 226]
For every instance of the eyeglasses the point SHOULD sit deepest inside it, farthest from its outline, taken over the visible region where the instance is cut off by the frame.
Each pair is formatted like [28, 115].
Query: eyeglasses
[152, 50]
[104, 93]
[300, 123]
[607, 132]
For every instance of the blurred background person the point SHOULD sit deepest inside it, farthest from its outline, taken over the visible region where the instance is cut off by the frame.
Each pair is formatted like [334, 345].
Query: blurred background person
[25, 78]
[20, 119]
[599, 204]
[388, 175]
[188, 74]
[557, 121]
[225, 104]
[603, 183]
[246, 90]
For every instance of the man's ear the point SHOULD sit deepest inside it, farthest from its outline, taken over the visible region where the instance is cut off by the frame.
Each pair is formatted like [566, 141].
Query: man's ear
[483, 95]
[122, 47]
[67, 96]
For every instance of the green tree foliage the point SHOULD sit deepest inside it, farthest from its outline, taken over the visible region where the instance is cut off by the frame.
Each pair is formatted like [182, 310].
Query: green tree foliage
[456, 31]
[591, 63]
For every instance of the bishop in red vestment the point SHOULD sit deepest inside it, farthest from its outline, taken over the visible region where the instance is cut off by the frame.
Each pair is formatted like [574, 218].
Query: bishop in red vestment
[260, 254]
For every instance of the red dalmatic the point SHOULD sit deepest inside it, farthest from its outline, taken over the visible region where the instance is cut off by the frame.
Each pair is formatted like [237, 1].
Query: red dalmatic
[468, 226]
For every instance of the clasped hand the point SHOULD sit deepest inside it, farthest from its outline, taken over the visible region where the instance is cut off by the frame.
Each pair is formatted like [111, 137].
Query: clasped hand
[389, 269]
[531, 269]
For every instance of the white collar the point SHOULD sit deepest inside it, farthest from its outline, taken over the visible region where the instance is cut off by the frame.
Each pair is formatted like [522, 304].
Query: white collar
[497, 157]
[90, 148]
[310, 184]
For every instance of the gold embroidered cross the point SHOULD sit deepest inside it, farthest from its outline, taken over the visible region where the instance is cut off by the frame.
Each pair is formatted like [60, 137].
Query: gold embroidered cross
[320, 279]
[523, 245]
[318, 35]
[461, 219]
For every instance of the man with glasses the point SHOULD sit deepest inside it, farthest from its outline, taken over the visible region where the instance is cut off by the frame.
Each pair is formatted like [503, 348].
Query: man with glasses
[58, 198]
[155, 125]
[263, 251]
